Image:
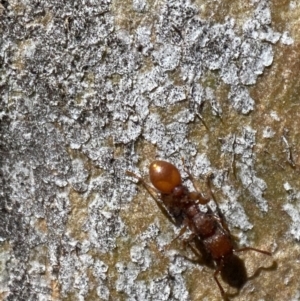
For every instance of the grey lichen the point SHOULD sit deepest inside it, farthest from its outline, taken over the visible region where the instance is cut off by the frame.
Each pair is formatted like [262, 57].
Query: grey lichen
[243, 147]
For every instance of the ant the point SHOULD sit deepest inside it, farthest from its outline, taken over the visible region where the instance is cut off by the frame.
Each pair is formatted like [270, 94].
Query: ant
[180, 206]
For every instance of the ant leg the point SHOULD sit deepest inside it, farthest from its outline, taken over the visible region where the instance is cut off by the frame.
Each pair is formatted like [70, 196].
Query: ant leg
[181, 232]
[253, 249]
[221, 220]
[191, 178]
[194, 250]
[199, 259]
[216, 273]
[209, 190]
[188, 240]
[153, 193]
[220, 217]
[198, 198]
[198, 195]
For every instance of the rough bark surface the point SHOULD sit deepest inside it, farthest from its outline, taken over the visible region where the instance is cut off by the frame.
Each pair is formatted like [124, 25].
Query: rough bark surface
[90, 89]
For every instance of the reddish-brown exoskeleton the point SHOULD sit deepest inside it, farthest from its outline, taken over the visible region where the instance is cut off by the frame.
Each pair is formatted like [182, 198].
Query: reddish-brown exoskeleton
[178, 203]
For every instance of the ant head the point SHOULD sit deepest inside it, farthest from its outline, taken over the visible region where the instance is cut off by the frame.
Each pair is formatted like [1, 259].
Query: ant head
[164, 176]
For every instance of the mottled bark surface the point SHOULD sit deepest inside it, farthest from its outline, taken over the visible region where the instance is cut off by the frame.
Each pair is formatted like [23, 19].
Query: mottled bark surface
[90, 89]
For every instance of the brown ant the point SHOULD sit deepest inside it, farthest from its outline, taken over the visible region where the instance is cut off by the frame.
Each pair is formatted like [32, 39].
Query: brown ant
[181, 207]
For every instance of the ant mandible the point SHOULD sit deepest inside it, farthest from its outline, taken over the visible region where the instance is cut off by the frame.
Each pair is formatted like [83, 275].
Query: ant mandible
[181, 206]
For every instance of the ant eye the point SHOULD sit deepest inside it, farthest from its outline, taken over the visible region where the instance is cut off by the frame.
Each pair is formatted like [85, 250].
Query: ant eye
[164, 176]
